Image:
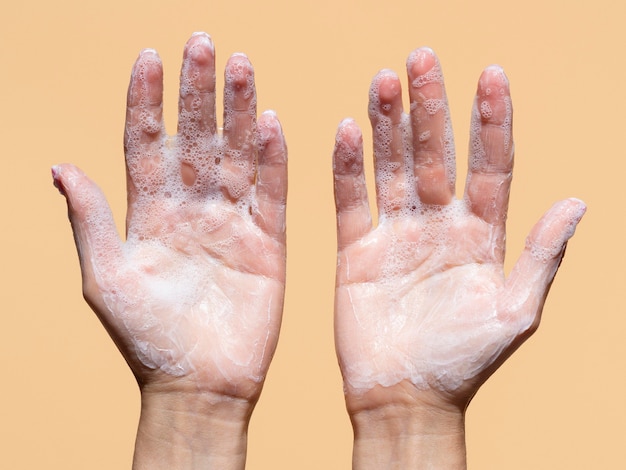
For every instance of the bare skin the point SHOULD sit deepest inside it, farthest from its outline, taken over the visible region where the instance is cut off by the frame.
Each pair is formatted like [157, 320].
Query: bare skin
[193, 298]
[423, 311]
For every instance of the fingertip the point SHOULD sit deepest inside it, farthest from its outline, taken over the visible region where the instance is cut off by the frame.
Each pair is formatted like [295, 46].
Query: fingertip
[423, 68]
[574, 209]
[579, 203]
[56, 178]
[492, 81]
[200, 49]
[148, 58]
[271, 139]
[148, 52]
[349, 130]
[268, 125]
[239, 69]
[570, 210]
[83, 196]
[420, 62]
[386, 86]
[270, 114]
[348, 154]
[203, 38]
[495, 69]
[66, 177]
[548, 238]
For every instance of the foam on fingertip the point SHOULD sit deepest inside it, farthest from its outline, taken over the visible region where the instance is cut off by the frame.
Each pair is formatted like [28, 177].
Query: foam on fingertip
[349, 132]
[348, 157]
[266, 124]
[206, 39]
[270, 131]
[547, 241]
[424, 68]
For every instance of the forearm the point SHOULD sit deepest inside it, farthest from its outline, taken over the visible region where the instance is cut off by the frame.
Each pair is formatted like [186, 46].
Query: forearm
[401, 436]
[191, 431]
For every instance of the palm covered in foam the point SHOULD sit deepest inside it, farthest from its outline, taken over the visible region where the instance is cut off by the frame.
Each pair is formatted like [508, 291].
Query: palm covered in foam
[195, 294]
[413, 308]
[422, 299]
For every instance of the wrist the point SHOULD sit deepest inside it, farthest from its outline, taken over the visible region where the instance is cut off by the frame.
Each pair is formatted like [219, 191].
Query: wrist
[185, 430]
[394, 427]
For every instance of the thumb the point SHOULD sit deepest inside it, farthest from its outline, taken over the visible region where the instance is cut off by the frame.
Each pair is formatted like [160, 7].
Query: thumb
[92, 222]
[528, 284]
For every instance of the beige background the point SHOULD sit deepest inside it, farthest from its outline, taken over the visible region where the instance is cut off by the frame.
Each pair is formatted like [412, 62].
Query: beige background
[67, 399]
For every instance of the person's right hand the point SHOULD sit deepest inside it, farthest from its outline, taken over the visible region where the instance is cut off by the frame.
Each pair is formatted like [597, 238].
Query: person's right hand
[423, 311]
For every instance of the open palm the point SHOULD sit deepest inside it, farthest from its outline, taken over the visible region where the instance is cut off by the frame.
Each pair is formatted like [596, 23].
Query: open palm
[194, 295]
[421, 299]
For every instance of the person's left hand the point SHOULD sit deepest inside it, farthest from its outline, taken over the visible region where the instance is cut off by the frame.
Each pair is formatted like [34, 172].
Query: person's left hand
[193, 298]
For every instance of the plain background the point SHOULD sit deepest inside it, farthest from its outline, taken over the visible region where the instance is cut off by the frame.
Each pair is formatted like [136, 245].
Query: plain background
[68, 400]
